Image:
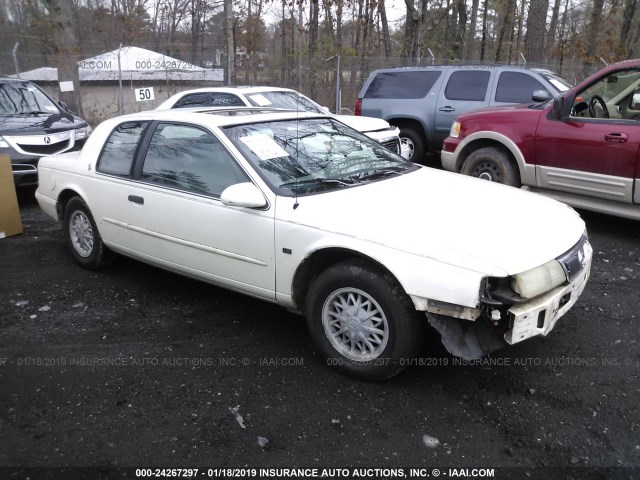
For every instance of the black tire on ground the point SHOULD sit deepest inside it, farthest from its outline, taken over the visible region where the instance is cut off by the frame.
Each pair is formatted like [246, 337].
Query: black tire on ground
[83, 238]
[381, 330]
[494, 164]
[416, 142]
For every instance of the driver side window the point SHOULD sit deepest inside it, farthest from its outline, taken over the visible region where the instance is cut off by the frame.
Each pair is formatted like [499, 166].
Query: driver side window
[612, 97]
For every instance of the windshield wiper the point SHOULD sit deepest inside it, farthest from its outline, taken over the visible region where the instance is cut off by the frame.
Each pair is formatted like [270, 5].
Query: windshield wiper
[320, 181]
[375, 173]
[36, 112]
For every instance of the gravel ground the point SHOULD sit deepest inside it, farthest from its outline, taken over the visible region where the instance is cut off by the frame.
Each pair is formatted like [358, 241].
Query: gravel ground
[137, 367]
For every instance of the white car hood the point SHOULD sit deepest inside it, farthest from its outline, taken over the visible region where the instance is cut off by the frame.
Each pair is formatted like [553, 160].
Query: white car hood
[363, 124]
[474, 224]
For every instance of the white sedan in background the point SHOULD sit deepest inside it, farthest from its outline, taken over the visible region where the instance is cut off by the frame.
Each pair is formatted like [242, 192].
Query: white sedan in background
[286, 98]
[300, 210]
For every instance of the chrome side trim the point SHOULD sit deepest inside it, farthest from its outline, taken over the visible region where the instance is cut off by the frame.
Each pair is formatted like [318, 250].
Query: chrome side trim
[186, 243]
[600, 205]
[597, 185]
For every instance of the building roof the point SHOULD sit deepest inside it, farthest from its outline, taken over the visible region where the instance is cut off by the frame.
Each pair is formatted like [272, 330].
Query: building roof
[137, 64]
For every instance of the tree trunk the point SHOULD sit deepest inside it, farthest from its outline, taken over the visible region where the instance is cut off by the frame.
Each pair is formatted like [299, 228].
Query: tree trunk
[66, 49]
[231, 49]
[625, 30]
[507, 13]
[313, 44]
[412, 32]
[483, 42]
[460, 29]
[536, 22]
[553, 27]
[471, 33]
[339, 4]
[591, 51]
[386, 37]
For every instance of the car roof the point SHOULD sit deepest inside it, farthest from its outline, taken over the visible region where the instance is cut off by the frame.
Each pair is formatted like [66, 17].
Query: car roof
[238, 89]
[14, 80]
[238, 109]
[208, 116]
[459, 67]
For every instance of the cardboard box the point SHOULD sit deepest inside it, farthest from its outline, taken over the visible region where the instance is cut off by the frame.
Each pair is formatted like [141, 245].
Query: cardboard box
[10, 222]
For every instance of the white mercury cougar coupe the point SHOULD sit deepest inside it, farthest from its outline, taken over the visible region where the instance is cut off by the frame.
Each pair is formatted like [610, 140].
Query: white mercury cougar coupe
[300, 210]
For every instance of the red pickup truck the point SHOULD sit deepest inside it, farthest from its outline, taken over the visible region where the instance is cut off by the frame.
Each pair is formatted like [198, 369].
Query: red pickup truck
[582, 147]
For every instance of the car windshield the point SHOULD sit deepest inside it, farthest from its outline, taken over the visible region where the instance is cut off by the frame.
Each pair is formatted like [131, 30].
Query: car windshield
[314, 155]
[17, 98]
[288, 100]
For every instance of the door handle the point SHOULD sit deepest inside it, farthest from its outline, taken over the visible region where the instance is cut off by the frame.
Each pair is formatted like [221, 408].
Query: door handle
[616, 137]
[136, 199]
[447, 109]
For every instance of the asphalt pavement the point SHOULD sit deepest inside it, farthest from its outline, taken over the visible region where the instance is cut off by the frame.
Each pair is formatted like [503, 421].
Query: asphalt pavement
[137, 367]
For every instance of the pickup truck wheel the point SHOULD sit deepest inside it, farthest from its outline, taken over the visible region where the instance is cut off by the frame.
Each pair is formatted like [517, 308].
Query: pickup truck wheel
[83, 237]
[412, 143]
[493, 164]
[362, 321]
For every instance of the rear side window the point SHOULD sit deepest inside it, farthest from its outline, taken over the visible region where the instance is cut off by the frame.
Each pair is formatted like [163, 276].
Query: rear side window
[467, 85]
[516, 87]
[209, 99]
[402, 85]
[120, 149]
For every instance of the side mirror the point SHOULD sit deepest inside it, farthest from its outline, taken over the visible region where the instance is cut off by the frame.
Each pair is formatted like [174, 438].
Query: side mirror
[558, 104]
[64, 106]
[541, 96]
[243, 195]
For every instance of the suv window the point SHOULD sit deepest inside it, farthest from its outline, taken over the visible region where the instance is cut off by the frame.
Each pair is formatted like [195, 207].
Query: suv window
[467, 85]
[402, 85]
[119, 150]
[516, 87]
[190, 158]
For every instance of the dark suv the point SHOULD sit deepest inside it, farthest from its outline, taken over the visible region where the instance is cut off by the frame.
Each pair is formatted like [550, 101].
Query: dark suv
[424, 101]
[32, 125]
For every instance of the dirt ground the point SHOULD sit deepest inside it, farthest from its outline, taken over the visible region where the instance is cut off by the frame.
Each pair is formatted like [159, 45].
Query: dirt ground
[136, 367]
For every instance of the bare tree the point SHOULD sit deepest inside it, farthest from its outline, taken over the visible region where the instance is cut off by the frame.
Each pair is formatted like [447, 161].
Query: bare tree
[593, 29]
[471, 32]
[536, 22]
[66, 49]
[630, 8]
[231, 49]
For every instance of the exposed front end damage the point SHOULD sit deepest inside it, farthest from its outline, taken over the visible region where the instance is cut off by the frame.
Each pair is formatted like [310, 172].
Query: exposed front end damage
[504, 317]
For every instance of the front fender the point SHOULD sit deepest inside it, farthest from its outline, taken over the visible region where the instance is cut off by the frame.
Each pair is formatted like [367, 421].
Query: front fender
[517, 146]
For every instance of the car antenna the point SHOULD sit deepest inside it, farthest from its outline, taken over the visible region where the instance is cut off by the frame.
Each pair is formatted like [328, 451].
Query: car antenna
[295, 203]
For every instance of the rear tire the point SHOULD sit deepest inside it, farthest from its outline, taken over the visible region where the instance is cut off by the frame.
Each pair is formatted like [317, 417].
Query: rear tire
[83, 238]
[493, 164]
[362, 321]
[412, 140]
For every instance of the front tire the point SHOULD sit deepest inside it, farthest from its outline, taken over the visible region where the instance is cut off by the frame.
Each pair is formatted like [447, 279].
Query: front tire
[83, 238]
[413, 143]
[493, 164]
[362, 321]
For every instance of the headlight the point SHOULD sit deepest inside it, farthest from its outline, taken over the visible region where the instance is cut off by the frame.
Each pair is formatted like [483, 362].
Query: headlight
[539, 280]
[3, 143]
[455, 129]
[83, 133]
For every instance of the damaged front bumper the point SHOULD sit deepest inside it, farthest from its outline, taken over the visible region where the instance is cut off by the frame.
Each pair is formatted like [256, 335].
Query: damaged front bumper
[539, 316]
[472, 333]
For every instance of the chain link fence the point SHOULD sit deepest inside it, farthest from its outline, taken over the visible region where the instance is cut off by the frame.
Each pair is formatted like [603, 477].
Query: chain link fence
[132, 79]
